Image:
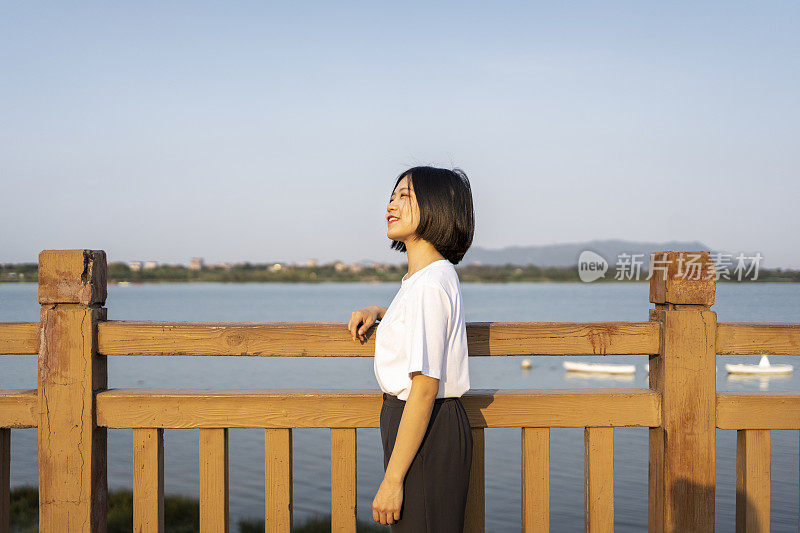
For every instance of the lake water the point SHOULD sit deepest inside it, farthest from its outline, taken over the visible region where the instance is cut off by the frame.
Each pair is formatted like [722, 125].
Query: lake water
[333, 302]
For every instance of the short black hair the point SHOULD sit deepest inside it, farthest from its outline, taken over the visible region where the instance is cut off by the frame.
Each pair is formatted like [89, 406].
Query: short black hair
[446, 214]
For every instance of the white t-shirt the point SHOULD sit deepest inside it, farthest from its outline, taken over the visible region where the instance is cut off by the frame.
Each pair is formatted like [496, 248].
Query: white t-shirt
[424, 330]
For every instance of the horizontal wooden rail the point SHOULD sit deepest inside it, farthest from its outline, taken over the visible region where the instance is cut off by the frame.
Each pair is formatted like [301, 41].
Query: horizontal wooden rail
[327, 339]
[758, 410]
[19, 408]
[19, 338]
[119, 337]
[360, 408]
[746, 338]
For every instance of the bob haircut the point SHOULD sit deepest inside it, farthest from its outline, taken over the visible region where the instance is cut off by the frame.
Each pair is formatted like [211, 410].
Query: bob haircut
[446, 215]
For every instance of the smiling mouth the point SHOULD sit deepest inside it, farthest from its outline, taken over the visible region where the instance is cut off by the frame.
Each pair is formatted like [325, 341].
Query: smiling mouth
[392, 219]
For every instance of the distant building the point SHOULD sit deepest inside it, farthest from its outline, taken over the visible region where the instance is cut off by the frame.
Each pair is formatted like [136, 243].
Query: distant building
[196, 263]
[149, 265]
[355, 267]
[135, 266]
[339, 266]
[311, 263]
[225, 266]
[276, 267]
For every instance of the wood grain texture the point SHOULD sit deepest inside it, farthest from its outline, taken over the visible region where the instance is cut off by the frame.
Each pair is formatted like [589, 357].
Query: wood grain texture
[148, 480]
[354, 408]
[19, 408]
[343, 480]
[278, 515]
[682, 278]
[5, 479]
[598, 479]
[535, 478]
[475, 513]
[72, 276]
[752, 480]
[72, 448]
[213, 464]
[744, 338]
[332, 339]
[682, 447]
[20, 338]
[758, 410]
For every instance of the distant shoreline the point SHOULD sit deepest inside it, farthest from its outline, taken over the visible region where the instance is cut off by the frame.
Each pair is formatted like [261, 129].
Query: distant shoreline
[377, 273]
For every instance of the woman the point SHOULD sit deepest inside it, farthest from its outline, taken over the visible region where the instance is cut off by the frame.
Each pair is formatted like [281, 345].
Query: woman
[421, 356]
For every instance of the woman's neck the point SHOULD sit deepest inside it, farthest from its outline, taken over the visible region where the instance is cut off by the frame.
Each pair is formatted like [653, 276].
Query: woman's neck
[420, 254]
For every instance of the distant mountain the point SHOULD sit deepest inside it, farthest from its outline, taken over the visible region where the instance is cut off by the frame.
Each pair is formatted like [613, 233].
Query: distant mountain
[567, 254]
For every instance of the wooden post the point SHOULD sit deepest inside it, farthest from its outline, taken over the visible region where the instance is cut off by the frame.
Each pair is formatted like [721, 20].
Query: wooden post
[681, 450]
[344, 508]
[73, 487]
[214, 484]
[5, 480]
[535, 477]
[752, 480]
[148, 480]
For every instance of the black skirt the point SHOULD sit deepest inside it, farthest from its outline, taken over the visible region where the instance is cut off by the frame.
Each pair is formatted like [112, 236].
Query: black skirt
[436, 484]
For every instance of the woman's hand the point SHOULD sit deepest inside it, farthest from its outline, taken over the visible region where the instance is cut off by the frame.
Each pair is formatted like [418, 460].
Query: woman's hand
[387, 502]
[362, 320]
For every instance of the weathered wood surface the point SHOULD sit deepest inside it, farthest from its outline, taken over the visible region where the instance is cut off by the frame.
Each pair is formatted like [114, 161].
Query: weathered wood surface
[214, 484]
[72, 448]
[148, 480]
[745, 338]
[326, 339]
[5, 480]
[19, 338]
[598, 479]
[278, 479]
[752, 480]
[19, 408]
[353, 408]
[343, 479]
[758, 410]
[682, 448]
[535, 478]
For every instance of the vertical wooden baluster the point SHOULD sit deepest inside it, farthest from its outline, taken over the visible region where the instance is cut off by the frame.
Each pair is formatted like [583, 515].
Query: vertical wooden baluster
[681, 450]
[73, 487]
[148, 480]
[343, 480]
[535, 479]
[598, 476]
[475, 514]
[278, 480]
[752, 480]
[213, 451]
[5, 479]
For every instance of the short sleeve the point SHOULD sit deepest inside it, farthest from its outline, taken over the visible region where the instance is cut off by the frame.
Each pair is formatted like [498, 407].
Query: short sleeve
[428, 314]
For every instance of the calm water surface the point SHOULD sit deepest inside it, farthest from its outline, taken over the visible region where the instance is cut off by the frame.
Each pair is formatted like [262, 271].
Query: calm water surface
[333, 302]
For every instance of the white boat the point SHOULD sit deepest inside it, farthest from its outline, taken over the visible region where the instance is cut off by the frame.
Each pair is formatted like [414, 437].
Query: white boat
[604, 368]
[763, 367]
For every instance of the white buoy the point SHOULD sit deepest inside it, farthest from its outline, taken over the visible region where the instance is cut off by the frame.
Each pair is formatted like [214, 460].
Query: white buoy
[526, 363]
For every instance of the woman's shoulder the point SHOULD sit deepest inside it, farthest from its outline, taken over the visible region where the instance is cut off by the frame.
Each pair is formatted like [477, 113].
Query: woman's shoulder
[444, 277]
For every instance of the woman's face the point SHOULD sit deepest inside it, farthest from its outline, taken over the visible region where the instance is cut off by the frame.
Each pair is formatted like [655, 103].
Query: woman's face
[402, 213]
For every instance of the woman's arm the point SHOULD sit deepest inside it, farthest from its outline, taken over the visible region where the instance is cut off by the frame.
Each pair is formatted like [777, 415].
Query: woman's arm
[413, 423]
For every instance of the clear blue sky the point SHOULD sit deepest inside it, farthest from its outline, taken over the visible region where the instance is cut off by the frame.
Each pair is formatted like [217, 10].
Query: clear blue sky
[274, 131]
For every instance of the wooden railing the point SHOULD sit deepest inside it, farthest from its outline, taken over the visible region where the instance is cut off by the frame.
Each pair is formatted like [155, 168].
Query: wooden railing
[73, 407]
